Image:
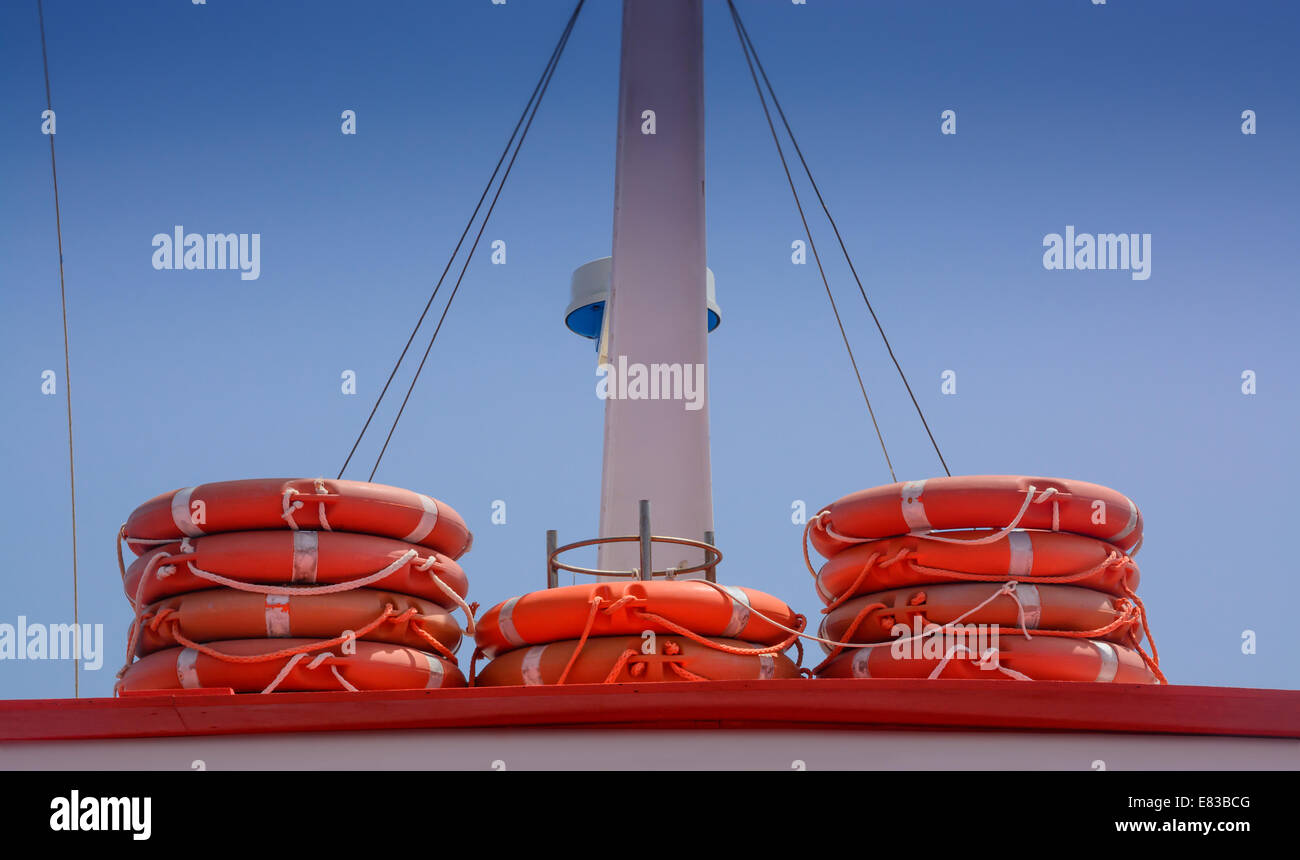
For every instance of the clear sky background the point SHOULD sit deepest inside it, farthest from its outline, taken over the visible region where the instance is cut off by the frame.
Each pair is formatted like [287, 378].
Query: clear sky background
[226, 118]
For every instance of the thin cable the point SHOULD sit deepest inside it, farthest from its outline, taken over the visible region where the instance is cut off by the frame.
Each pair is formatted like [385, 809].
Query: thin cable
[67, 361]
[550, 63]
[811, 244]
[740, 25]
[546, 82]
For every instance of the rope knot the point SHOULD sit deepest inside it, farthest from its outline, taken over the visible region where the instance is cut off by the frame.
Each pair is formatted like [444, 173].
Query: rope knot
[627, 600]
[289, 507]
[320, 658]
[901, 555]
[163, 615]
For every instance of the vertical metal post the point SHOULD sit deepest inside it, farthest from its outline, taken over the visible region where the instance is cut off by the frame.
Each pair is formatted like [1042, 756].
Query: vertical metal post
[712, 573]
[647, 565]
[552, 573]
[657, 448]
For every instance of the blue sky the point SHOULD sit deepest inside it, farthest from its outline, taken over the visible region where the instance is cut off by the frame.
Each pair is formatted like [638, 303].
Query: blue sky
[225, 118]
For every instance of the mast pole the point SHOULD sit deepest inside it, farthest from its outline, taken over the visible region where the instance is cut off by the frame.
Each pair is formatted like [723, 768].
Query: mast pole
[657, 423]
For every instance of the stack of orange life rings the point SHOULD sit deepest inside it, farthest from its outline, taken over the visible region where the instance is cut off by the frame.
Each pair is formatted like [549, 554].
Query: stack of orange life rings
[619, 632]
[988, 576]
[294, 585]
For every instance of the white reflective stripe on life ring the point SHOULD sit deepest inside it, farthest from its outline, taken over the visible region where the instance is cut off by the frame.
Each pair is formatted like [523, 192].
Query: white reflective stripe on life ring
[1132, 521]
[739, 611]
[1021, 562]
[186, 673]
[1032, 602]
[435, 672]
[181, 516]
[913, 508]
[506, 622]
[306, 554]
[277, 616]
[428, 519]
[531, 667]
[1109, 662]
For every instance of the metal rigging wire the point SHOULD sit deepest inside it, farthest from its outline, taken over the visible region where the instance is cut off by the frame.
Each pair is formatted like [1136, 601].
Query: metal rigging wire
[67, 380]
[748, 45]
[811, 243]
[530, 110]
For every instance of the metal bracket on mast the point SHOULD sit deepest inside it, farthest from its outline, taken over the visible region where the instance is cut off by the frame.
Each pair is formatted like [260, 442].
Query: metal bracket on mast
[644, 539]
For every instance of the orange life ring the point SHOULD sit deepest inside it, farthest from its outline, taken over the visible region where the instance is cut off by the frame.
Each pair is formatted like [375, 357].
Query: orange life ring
[1021, 555]
[676, 658]
[563, 613]
[328, 505]
[223, 613]
[1043, 658]
[374, 666]
[302, 558]
[978, 502]
[1046, 607]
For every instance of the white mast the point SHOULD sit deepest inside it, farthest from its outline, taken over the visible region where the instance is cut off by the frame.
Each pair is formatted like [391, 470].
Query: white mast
[658, 449]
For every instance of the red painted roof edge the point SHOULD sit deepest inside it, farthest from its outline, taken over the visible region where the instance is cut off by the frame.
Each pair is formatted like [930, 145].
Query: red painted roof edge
[845, 704]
